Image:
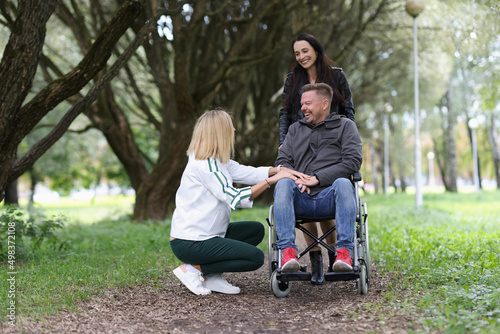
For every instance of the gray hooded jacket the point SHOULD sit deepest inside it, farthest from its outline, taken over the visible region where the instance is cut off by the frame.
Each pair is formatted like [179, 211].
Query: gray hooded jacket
[329, 150]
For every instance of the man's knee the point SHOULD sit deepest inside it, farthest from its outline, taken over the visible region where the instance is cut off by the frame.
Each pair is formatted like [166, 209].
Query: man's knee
[344, 192]
[285, 183]
[284, 187]
[342, 183]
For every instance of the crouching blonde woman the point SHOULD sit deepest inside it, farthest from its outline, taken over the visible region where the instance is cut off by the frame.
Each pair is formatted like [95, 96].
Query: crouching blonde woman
[201, 235]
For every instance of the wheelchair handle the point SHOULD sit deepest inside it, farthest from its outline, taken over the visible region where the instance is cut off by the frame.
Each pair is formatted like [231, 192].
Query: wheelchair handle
[356, 176]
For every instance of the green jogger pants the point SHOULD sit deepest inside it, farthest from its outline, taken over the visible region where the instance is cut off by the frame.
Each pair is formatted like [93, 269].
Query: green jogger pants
[236, 252]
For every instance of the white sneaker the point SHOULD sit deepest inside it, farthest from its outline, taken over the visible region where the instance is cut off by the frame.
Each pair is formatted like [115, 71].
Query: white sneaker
[217, 283]
[193, 281]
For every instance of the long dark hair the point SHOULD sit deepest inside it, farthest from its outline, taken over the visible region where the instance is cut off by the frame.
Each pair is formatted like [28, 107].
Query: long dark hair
[299, 75]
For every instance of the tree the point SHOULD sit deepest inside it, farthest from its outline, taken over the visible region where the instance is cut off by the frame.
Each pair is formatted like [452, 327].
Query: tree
[192, 56]
[446, 159]
[474, 39]
[205, 54]
[21, 57]
[222, 53]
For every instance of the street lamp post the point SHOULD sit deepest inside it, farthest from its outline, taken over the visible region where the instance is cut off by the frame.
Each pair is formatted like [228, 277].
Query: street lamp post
[387, 109]
[415, 7]
[473, 126]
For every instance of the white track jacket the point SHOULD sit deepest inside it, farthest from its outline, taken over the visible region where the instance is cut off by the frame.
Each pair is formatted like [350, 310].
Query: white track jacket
[206, 196]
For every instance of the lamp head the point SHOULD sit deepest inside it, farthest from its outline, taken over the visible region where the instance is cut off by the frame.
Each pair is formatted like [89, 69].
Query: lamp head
[414, 7]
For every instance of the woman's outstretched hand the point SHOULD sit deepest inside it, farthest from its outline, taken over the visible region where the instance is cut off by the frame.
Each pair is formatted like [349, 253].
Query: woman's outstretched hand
[289, 173]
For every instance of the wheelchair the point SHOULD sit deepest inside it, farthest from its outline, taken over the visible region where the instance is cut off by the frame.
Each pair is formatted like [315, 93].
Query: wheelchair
[281, 283]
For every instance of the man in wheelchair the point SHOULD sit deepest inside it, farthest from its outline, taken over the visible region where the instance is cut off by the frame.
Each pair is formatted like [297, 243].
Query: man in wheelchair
[327, 147]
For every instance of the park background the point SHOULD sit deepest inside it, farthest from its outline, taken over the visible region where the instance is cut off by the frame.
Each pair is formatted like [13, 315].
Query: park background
[99, 99]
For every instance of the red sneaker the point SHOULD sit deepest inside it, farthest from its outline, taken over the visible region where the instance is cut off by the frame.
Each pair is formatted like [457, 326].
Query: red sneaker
[343, 261]
[290, 263]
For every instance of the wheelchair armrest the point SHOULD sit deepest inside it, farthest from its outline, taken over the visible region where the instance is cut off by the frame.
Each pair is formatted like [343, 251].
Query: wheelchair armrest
[356, 177]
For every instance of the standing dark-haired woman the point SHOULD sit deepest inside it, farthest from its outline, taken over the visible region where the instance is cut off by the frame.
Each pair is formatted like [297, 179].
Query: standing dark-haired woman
[312, 66]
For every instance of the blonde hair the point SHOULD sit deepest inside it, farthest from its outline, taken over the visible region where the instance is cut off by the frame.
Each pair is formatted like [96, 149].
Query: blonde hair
[213, 136]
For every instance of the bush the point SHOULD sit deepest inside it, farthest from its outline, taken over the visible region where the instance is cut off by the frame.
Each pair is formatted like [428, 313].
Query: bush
[15, 230]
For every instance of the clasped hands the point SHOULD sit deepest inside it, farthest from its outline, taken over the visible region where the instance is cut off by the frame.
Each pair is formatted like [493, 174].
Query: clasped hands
[304, 181]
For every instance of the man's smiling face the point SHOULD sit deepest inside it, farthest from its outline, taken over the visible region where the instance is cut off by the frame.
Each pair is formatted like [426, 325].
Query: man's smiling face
[314, 108]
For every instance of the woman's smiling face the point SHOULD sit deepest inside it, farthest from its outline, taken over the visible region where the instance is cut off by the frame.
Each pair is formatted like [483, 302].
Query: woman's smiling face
[305, 54]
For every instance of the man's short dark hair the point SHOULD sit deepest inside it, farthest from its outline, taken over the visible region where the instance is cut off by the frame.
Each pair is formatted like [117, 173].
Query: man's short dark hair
[323, 89]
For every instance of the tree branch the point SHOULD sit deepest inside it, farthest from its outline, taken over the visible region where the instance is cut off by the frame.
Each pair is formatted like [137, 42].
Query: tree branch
[18, 66]
[76, 24]
[234, 54]
[37, 150]
[68, 85]
[140, 98]
[9, 21]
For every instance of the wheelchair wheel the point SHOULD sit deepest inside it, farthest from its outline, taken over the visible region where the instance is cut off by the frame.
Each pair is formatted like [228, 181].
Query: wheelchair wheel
[272, 255]
[362, 281]
[273, 266]
[366, 248]
[280, 289]
[272, 248]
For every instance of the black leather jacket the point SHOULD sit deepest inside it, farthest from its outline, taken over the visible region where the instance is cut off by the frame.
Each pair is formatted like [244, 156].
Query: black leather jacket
[288, 117]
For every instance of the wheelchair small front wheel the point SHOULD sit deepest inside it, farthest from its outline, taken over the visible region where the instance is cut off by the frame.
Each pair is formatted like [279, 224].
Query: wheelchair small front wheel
[280, 289]
[362, 281]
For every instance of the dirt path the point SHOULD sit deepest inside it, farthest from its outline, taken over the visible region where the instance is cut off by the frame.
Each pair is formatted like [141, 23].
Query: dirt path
[334, 306]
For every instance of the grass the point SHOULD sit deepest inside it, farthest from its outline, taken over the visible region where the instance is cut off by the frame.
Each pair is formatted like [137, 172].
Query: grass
[87, 211]
[444, 257]
[445, 254]
[95, 257]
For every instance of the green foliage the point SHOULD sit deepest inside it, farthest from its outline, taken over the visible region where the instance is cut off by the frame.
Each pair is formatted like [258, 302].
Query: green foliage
[96, 256]
[442, 260]
[88, 211]
[446, 254]
[27, 234]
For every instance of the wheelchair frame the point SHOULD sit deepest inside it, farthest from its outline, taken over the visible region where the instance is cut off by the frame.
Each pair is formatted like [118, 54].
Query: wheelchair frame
[281, 283]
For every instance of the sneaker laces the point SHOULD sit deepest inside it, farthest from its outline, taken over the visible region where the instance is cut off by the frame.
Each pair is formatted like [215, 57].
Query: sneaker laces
[289, 253]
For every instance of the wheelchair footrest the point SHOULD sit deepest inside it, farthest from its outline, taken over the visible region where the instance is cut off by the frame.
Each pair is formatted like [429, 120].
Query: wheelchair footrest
[294, 276]
[342, 275]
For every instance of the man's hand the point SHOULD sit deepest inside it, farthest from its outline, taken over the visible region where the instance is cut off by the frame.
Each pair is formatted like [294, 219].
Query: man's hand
[288, 173]
[305, 185]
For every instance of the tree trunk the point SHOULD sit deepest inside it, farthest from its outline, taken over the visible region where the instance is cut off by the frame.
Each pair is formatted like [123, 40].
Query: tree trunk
[451, 146]
[445, 147]
[402, 178]
[440, 160]
[402, 181]
[380, 154]
[493, 137]
[11, 194]
[373, 156]
[33, 183]
[394, 178]
[155, 196]
[17, 69]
